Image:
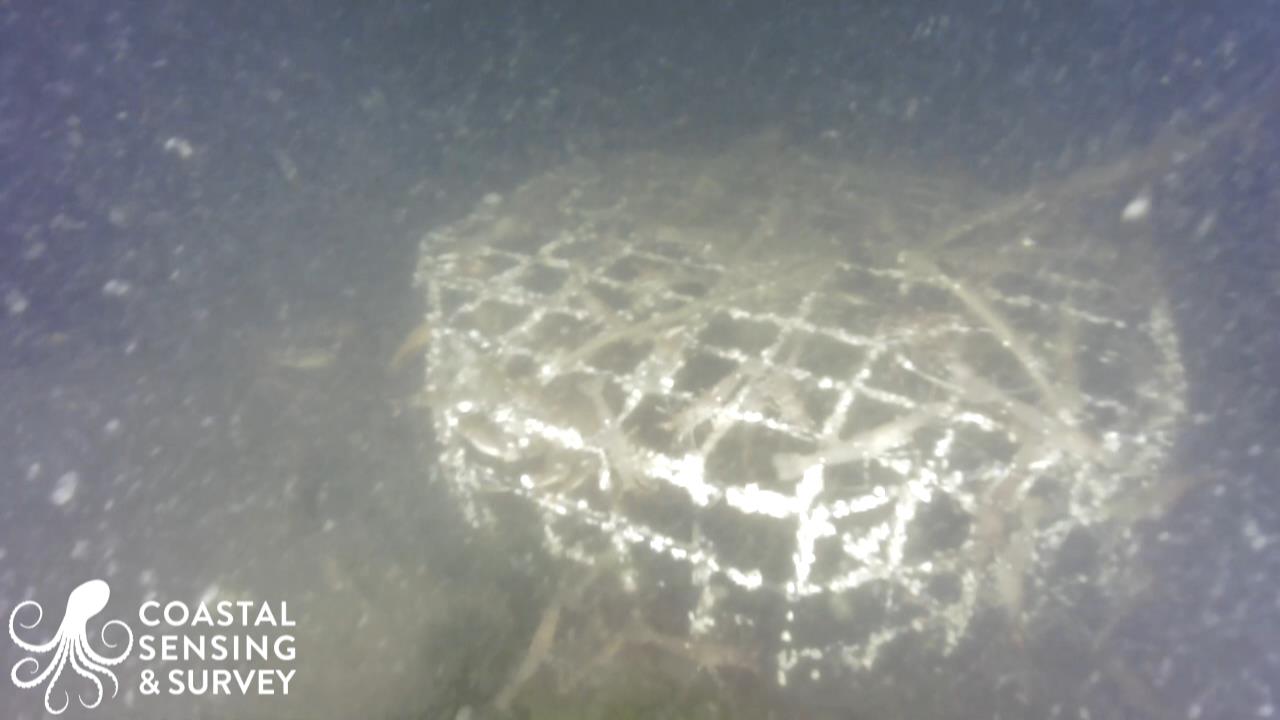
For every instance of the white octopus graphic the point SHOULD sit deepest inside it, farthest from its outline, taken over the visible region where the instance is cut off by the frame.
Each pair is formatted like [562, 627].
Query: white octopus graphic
[72, 645]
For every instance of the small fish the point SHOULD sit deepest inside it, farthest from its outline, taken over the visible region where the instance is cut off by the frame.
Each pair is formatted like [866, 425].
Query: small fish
[315, 346]
[862, 446]
[295, 358]
[705, 655]
[487, 437]
[1064, 435]
[538, 653]
[414, 342]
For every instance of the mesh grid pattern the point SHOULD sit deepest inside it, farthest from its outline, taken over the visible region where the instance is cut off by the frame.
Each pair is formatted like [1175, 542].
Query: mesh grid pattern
[819, 436]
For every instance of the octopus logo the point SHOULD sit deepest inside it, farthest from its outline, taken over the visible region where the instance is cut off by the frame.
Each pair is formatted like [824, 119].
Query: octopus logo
[70, 645]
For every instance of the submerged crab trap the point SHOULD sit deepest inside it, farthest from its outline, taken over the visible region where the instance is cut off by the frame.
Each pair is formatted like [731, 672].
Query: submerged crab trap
[841, 415]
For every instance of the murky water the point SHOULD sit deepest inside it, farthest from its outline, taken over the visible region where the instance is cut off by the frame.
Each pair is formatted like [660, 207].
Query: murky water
[212, 214]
